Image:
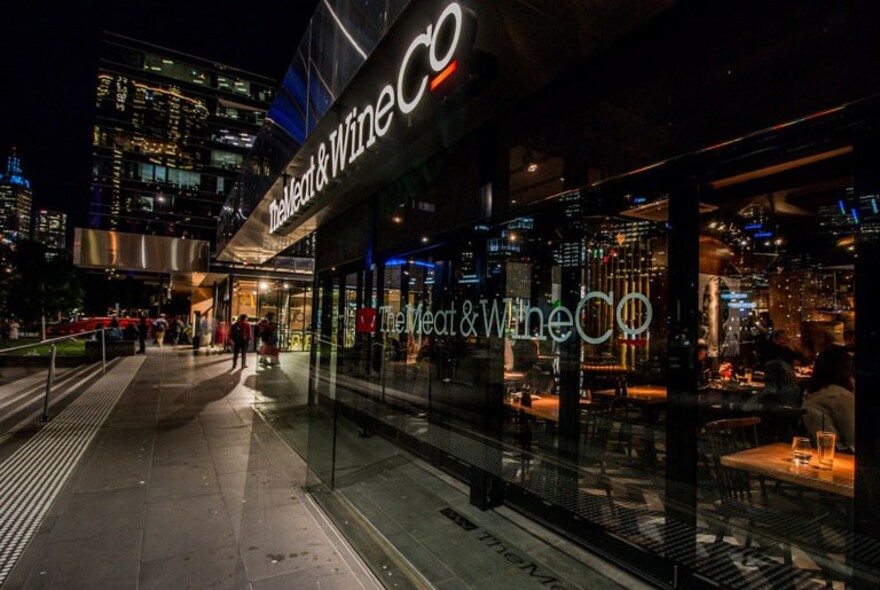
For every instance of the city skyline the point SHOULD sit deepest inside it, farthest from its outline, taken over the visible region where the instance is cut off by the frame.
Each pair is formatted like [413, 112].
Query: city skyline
[47, 112]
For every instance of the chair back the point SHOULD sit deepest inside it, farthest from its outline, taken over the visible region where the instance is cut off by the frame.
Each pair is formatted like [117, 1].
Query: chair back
[730, 436]
[597, 426]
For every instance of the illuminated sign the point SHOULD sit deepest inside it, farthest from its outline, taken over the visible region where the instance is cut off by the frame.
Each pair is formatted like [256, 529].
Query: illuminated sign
[426, 64]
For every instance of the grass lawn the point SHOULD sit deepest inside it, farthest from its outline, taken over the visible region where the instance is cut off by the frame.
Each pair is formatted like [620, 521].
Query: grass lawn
[73, 347]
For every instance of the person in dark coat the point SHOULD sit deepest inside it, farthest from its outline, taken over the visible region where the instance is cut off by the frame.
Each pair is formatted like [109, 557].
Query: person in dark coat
[143, 329]
[241, 337]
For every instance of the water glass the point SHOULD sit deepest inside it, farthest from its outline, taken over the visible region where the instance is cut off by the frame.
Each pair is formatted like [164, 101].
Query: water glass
[825, 442]
[801, 451]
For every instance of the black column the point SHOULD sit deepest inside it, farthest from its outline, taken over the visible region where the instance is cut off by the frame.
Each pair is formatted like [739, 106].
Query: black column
[681, 417]
[867, 360]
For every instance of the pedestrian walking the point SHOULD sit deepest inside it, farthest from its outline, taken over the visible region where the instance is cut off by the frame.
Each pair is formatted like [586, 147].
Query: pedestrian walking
[13, 329]
[269, 341]
[177, 329]
[206, 327]
[159, 327]
[241, 337]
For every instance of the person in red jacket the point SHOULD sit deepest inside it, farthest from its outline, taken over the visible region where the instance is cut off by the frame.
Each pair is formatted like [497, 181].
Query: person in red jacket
[241, 337]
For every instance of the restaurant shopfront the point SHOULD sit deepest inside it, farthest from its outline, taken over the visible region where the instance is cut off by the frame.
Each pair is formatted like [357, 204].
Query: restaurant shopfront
[608, 269]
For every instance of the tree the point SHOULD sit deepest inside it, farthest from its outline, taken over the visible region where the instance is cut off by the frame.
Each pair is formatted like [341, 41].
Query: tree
[40, 288]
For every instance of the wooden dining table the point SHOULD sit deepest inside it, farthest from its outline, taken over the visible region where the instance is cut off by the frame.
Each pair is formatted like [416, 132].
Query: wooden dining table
[641, 394]
[774, 460]
[546, 408]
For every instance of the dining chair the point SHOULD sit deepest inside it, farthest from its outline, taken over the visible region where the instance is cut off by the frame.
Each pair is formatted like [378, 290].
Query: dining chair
[597, 426]
[735, 491]
[771, 526]
[623, 429]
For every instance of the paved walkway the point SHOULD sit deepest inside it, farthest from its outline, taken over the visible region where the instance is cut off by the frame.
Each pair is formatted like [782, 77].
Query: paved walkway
[184, 486]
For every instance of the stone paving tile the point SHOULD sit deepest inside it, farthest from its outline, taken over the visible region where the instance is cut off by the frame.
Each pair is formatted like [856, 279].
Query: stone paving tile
[217, 568]
[320, 577]
[94, 474]
[232, 459]
[100, 512]
[181, 526]
[182, 481]
[427, 563]
[277, 541]
[108, 562]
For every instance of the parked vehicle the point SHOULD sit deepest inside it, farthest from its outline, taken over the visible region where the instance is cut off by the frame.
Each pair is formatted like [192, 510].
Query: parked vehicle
[86, 324]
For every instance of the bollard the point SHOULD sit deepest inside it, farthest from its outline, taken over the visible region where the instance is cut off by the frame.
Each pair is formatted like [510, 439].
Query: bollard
[50, 378]
[103, 352]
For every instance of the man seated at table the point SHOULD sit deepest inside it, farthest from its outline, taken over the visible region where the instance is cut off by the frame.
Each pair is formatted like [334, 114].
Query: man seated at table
[830, 402]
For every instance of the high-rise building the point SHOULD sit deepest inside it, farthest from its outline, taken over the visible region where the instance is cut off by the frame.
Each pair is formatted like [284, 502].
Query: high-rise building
[171, 133]
[16, 200]
[50, 229]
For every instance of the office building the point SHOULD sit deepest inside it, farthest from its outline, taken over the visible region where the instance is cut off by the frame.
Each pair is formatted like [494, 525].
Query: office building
[16, 200]
[595, 264]
[50, 229]
[171, 133]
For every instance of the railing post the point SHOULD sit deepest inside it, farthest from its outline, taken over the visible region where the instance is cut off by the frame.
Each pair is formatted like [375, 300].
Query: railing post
[103, 351]
[50, 378]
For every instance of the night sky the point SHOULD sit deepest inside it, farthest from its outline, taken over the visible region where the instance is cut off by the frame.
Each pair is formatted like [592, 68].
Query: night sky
[49, 57]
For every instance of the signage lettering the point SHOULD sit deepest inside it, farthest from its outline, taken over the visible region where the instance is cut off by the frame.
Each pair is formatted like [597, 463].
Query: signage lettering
[535, 571]
[429, 59]
[494, 319]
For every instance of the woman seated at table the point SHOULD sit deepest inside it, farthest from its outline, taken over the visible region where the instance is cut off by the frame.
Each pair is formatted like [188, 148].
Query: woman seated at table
[830, 401]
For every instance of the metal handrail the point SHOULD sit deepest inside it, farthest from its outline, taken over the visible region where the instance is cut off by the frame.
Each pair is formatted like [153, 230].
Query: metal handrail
[50, 378]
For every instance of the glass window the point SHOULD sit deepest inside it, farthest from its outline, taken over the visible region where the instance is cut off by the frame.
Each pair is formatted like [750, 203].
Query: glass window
[777, 339]
[228, 160]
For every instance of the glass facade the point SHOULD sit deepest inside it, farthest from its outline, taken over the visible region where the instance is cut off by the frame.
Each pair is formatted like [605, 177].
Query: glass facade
[171, 135]
[339, 38]
[618, 281]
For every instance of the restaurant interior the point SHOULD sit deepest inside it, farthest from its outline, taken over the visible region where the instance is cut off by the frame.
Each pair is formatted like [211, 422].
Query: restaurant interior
[579, 413]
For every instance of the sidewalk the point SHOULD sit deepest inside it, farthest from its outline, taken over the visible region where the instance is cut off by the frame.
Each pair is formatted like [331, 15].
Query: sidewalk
[186, 487]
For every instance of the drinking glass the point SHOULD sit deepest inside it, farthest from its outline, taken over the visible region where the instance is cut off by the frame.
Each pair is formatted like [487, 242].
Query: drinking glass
[801, 451]
[825, 446]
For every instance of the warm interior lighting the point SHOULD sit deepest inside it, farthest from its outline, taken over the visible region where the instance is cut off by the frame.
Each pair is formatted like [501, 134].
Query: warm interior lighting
[659, 211]
[776, 169]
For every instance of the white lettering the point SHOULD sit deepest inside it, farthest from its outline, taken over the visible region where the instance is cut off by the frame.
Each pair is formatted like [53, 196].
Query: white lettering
[559, 321]
[408, 106]
[363, 125]
[553, 325]
[338, 144]
[494, 320]
[451, 11]
[649, 314]
[383, 109]
[607, 298]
